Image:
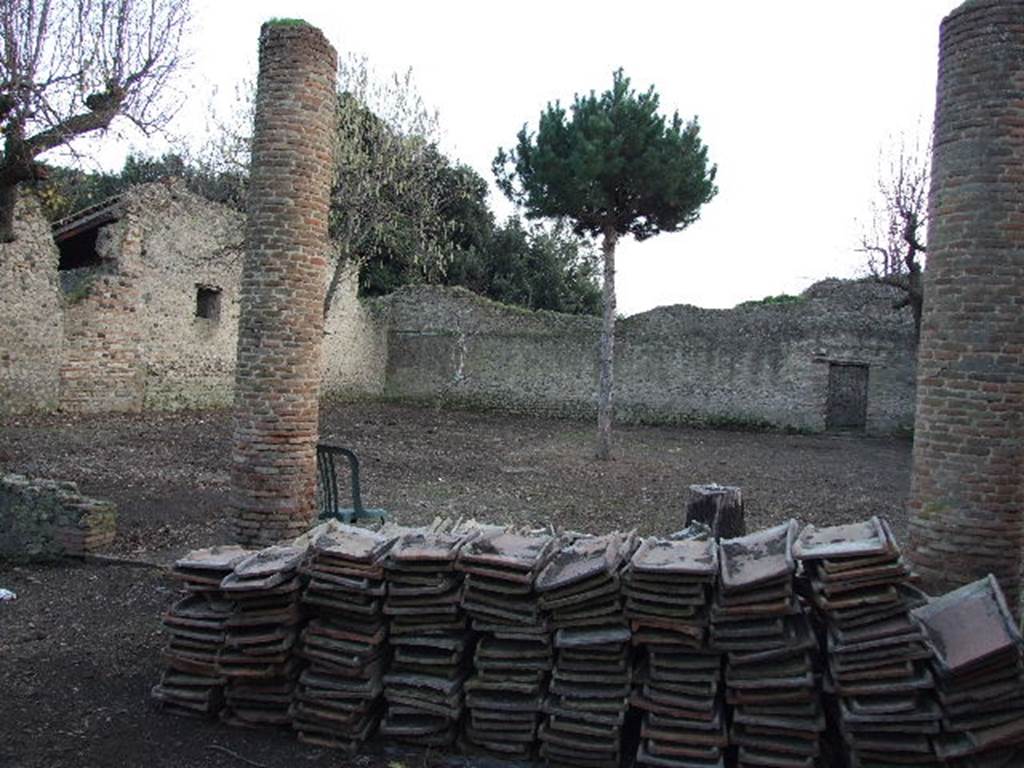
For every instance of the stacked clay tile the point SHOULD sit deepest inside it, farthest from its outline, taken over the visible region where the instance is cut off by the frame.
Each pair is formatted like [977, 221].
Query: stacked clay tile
[761, 623]
[977, 665]
[257, 659]
[580, 590]
[513, 658]
[196, 625]
[678, 687]
[428, 633]
[338, 701]
[878, 677]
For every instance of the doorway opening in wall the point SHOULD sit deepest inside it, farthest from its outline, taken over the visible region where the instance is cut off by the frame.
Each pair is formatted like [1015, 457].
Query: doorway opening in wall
[847, 407]
[208, 302]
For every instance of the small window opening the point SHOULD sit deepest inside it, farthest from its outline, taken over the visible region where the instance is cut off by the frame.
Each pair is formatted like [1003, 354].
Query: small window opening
[79, 251]
[208, 302]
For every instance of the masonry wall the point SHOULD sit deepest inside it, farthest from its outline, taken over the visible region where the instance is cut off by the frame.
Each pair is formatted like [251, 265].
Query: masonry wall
[355, 345]
[30, 315]
[187, 244]
[758, 364]
[126, 334]
[42, 519]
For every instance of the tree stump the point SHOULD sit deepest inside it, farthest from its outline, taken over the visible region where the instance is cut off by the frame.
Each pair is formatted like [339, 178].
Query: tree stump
[720, 507]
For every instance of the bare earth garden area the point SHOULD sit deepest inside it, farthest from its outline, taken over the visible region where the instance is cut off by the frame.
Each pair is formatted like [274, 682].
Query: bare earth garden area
[80, 648]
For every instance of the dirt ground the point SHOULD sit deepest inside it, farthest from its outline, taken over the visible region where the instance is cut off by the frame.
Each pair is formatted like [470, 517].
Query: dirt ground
[79, 648]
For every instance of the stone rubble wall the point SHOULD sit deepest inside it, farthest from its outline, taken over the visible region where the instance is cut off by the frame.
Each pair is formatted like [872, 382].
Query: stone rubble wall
[128, 338]
[43, 519]
[30, 315]
[124, 335]
[101, 367]
[759, 364]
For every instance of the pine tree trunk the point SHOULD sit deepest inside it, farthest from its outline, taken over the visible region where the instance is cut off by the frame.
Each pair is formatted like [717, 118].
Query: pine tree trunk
[605, 385]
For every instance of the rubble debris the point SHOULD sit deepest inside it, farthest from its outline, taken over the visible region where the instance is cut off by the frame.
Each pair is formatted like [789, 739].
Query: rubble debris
[591, 681]
[978, 671]
[338, 700]
[880, 688]
[513, 659]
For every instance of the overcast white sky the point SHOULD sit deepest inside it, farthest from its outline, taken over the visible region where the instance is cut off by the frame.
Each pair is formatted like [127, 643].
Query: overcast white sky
[794, 100]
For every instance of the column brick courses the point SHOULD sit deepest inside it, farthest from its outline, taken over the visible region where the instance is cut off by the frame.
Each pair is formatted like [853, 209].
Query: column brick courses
[967, 489]
[277, 378]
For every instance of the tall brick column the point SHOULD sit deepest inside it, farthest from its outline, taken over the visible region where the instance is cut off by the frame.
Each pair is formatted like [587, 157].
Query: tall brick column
[277, 381]
[967, 487]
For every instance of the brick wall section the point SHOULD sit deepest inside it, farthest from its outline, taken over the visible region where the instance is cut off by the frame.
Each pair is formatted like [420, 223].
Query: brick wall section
[755, 364]
[41, 519]
[101, 369]
[967, 488]
[30, 315]
[277, 378]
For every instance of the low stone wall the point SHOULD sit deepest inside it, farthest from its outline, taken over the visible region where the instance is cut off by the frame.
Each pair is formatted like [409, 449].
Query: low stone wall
[758, 364]
[42, 519]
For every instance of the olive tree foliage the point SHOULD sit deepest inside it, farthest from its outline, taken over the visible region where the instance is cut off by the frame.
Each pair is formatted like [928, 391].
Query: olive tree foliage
[69, 67]
[391, 185]
[893, 240]
[613, 166]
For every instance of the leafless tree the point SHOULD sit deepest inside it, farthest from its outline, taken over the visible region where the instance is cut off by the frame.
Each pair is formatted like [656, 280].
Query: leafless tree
[69, 67]
[894, 241]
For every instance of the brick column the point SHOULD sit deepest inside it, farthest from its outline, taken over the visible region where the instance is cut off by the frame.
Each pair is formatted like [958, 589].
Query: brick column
[967, 490]
[277, 380]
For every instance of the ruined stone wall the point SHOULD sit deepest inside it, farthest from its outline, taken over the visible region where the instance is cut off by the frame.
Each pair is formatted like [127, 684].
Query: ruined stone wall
[127, 334]
[101, 367]
[967, 496]
[42, 519]
[756, 364]
[355, 343]
[189, 246]
[30, 315]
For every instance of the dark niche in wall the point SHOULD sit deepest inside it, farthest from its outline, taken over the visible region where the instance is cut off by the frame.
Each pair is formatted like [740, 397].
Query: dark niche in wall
[78, 251]
[208, 302]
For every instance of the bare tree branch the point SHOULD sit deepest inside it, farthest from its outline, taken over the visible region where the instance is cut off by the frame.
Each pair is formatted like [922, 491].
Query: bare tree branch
[893, 242]
[70, 67]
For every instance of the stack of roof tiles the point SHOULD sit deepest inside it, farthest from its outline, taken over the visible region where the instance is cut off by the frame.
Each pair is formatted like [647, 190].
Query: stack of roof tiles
[513, 658]
[884, 708]
[980, 685]
[338, 701]
[588, 697]
[668, 585]
[429, 636]
[197, 628]
[257, 659]
[762, 624]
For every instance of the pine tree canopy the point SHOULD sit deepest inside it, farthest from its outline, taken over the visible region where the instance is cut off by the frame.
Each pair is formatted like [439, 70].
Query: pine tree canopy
[614, 161]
